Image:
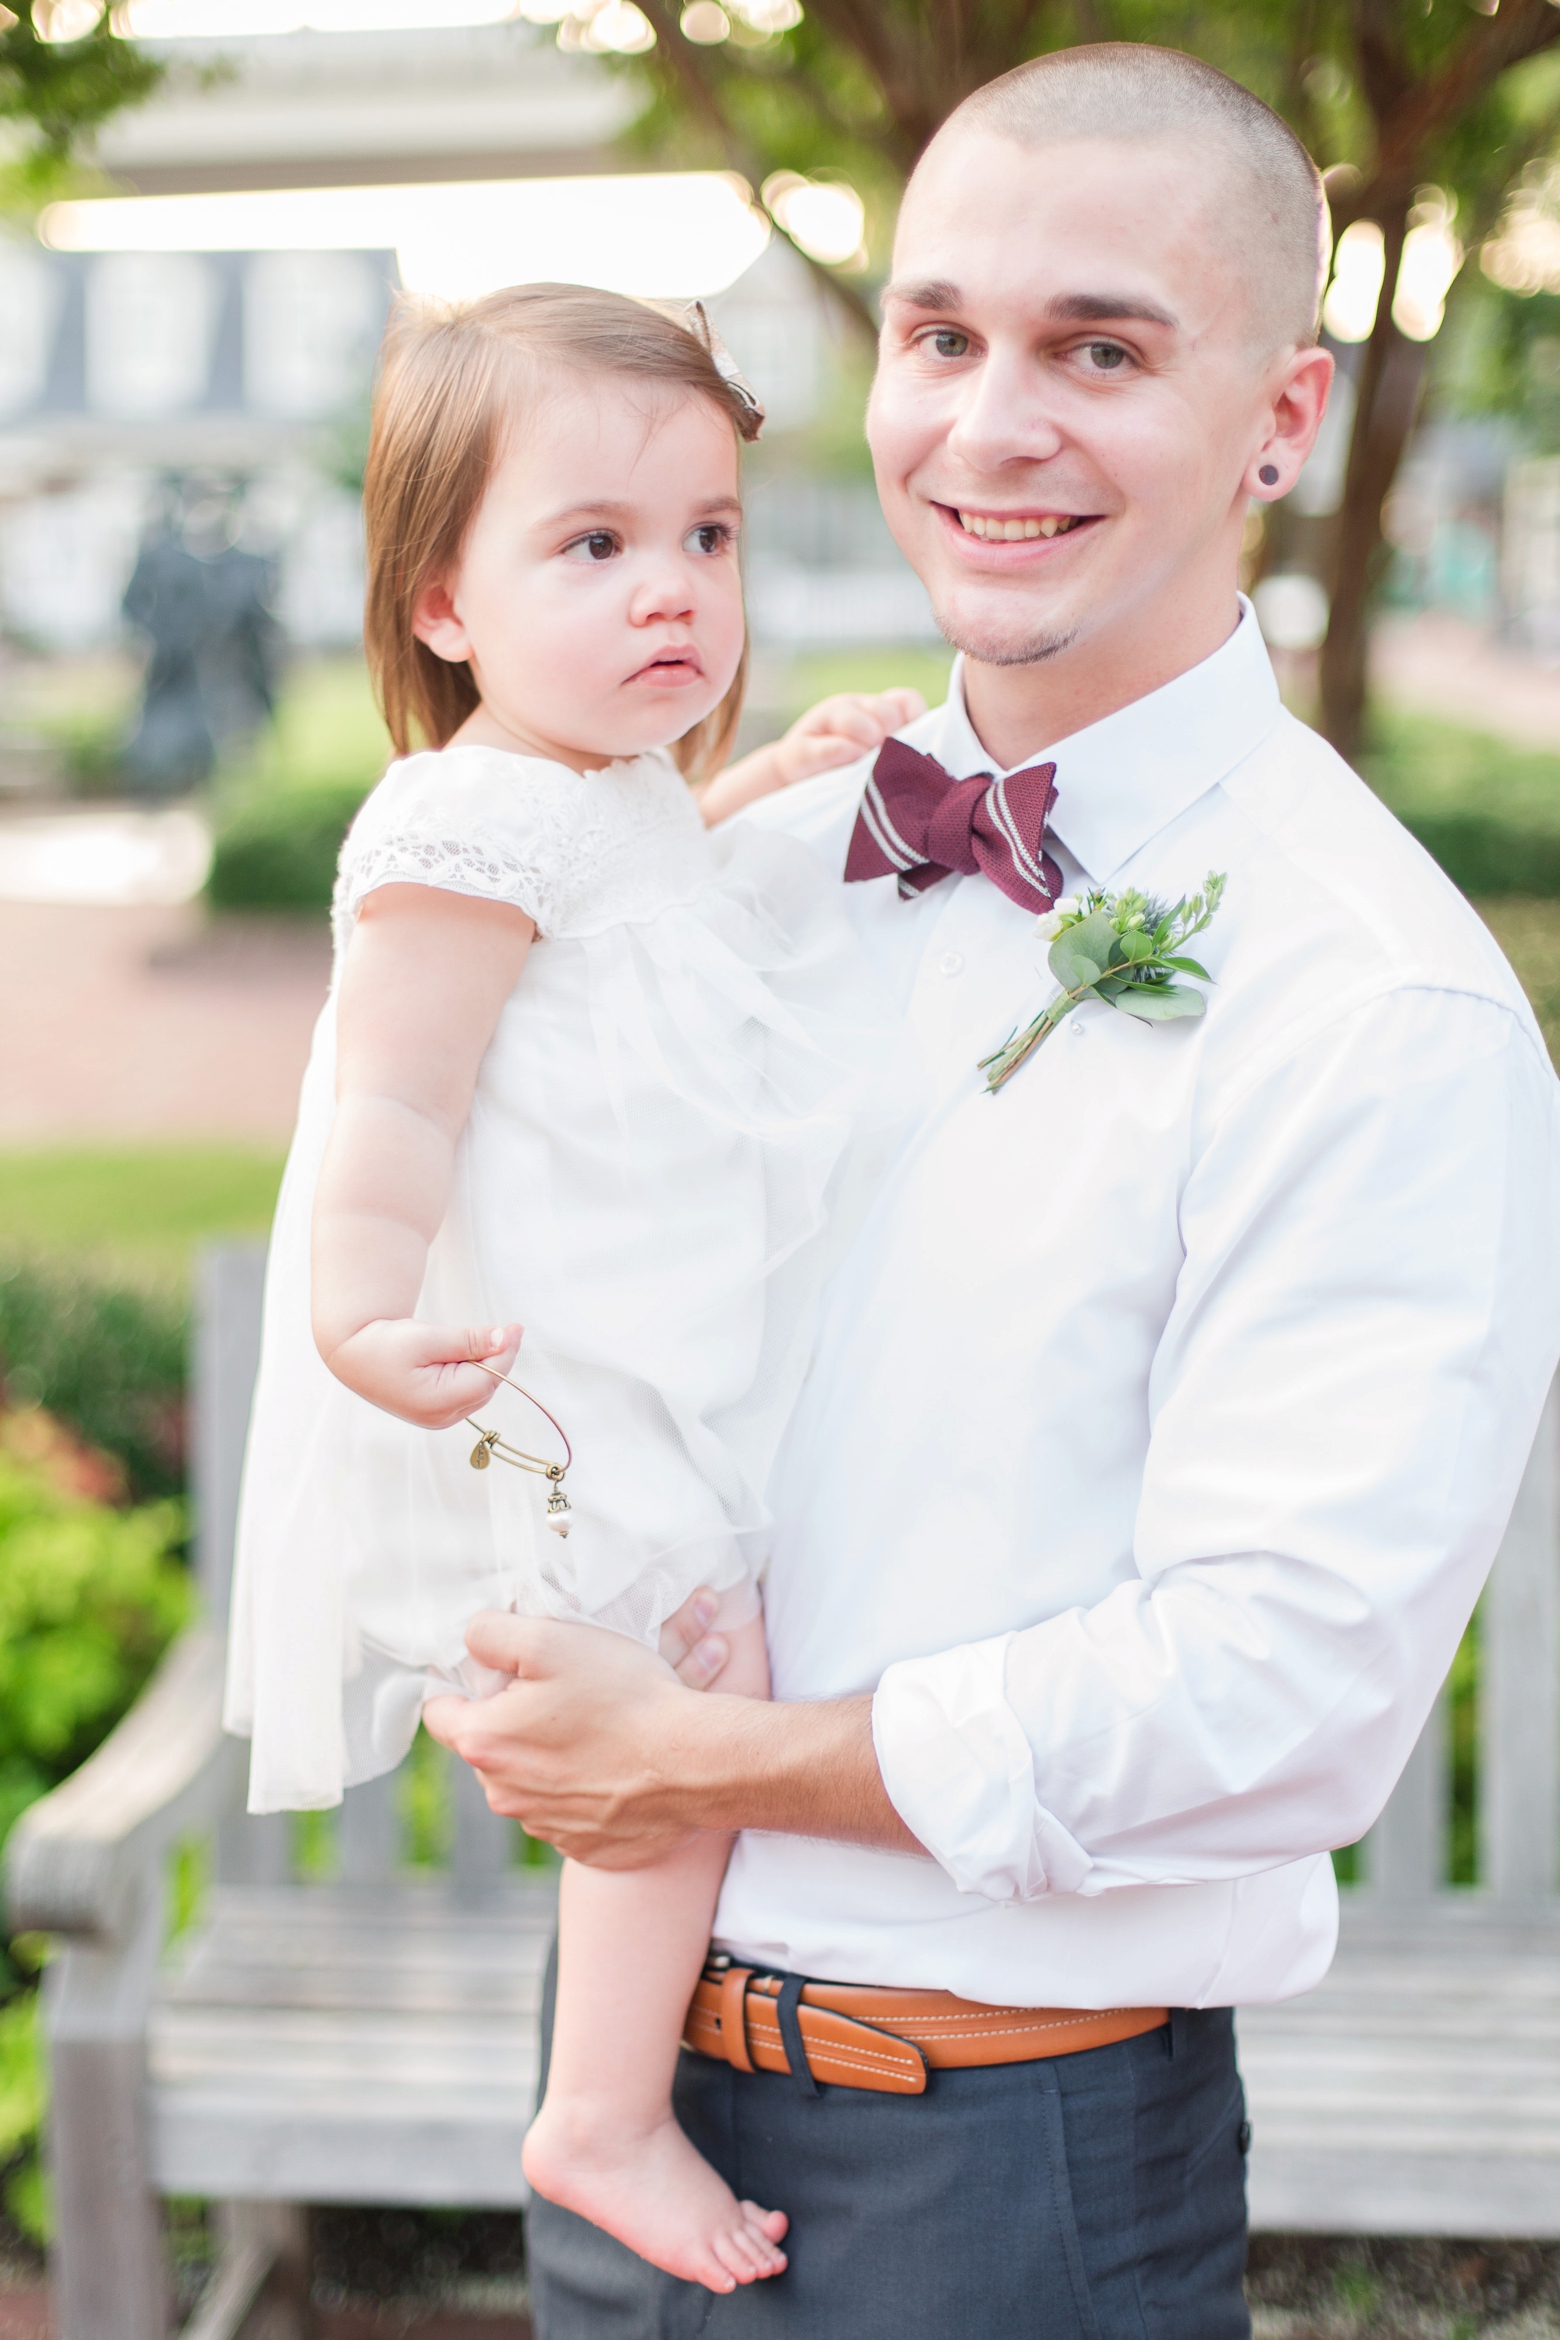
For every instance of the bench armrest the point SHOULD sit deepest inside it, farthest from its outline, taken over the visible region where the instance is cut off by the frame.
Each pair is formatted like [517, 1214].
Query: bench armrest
[78, 1860]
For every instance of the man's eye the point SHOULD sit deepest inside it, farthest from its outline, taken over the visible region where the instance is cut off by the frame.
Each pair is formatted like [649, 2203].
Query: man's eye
[1106, 356]
[949, 344]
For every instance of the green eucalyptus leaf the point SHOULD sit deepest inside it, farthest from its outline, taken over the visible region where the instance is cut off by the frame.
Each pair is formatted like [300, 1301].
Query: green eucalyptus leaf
[1072, 967]
[1095, 936]
[1160, 1005]
[1185, 966]
[1137, 946]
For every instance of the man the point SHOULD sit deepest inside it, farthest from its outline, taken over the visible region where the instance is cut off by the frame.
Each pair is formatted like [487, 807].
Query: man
[1168, 1410]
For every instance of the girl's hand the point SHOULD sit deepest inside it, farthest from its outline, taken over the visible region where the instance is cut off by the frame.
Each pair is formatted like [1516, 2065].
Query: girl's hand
[695, 1653]
[835, 732]
[424, 1372]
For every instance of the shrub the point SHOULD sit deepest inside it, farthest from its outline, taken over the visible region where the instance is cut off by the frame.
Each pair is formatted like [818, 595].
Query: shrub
[278, 851]
[106, 1359]
[89, 1599]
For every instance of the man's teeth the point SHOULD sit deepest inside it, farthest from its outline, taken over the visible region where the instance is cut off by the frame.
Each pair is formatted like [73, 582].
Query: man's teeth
[997, 530]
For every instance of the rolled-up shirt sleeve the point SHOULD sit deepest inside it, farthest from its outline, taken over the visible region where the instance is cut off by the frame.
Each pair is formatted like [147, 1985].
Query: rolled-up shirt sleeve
[1341, 1406]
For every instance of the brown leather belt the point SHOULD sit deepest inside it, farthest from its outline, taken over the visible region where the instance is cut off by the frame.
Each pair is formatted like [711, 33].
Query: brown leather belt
[857, 2035]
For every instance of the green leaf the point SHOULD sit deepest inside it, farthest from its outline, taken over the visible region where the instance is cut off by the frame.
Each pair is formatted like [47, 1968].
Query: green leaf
[1137, 946]
[1095, 937]
[1188, 967]
[1072, 967]
[1160, 1005]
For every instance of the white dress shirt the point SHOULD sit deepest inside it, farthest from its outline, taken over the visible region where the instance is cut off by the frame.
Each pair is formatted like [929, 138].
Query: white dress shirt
[1167, 1412]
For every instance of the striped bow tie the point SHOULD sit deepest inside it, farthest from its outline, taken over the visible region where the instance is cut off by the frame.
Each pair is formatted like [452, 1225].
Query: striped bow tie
[917, 822]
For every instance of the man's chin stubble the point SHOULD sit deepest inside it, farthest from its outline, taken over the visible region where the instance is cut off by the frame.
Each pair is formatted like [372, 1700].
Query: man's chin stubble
[992, 647]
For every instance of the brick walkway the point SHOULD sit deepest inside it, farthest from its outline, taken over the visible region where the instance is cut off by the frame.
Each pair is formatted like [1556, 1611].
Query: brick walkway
[144, 1022]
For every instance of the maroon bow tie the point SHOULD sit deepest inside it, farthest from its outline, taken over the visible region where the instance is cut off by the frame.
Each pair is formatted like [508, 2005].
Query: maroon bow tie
[916, 821]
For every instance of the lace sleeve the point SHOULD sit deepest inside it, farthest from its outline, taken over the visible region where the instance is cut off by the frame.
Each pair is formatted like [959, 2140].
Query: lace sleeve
[469, 821]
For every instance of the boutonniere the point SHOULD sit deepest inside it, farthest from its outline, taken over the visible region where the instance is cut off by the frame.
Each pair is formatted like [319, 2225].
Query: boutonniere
[1124, 949]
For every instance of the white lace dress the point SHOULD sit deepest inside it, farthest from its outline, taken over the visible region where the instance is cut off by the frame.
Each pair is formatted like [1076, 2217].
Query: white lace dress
[654, 1146]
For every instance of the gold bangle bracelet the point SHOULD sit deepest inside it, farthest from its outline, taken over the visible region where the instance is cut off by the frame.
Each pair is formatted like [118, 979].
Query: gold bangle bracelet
[490, 1444]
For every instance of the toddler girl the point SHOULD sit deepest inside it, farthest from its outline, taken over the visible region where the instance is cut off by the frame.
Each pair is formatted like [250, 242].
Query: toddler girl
[582, 1063]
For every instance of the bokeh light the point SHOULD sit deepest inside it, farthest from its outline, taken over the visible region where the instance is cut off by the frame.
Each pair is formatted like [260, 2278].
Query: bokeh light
[824, 217]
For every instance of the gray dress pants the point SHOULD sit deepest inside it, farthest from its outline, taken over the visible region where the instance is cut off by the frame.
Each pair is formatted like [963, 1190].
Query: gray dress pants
[1100, 2196]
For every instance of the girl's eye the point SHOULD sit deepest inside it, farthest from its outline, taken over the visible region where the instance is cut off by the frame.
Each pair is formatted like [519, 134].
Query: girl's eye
[948, 343]
[1106, 356]
[713, 536]
[600, 545]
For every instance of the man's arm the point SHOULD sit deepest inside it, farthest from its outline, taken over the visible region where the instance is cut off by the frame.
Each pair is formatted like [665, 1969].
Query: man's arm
[1343, 1402]
[601, 1750]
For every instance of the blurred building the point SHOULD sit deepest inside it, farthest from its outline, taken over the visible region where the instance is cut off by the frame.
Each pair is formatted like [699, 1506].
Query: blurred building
[323, 109]
[139, 381]
[128, 375]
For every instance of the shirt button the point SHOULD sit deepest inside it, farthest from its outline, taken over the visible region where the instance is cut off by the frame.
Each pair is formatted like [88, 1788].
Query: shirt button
[951, 963]
[1077, 1025]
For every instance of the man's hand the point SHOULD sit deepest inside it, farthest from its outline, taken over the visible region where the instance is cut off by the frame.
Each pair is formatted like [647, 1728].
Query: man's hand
[599, 1749]
[577, 1690]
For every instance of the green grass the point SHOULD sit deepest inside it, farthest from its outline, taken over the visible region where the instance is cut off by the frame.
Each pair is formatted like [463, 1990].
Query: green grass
[138, 1212]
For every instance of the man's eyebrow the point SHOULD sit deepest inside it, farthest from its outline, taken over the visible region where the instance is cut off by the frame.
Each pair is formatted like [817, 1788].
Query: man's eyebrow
[938, 295]
[1084, 308]
[932, 293]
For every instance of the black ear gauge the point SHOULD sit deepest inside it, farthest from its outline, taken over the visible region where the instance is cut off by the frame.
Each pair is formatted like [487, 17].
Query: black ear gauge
[1269, 475]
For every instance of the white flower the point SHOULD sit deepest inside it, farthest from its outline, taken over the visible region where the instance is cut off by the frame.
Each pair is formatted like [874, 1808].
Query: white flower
[1050, 926]
[1068, 907]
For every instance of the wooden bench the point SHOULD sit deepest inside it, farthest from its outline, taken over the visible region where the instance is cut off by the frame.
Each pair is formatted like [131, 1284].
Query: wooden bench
[1418, 2090]
[368, 2040]
[374, 2039]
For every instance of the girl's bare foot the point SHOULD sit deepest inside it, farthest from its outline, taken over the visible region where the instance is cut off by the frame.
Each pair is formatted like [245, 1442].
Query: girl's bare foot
[653, 2191]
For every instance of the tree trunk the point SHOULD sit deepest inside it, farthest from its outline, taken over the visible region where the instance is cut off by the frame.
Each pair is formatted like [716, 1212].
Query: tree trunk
[1383, 418]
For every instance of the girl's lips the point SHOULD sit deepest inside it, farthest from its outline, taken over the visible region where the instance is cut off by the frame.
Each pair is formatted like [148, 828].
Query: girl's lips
[670, 674]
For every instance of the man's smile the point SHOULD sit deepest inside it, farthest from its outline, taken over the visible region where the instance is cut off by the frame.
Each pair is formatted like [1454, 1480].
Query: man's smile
[1012, 527]
[1008, 527]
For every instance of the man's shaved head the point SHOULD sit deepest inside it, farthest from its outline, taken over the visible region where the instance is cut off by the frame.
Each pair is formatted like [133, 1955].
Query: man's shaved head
[1133, 95]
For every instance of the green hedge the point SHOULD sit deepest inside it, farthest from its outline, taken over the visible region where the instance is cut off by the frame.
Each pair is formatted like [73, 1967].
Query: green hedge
[89, 1599]
[278, 851]
[1488, 811]
[107, 1360]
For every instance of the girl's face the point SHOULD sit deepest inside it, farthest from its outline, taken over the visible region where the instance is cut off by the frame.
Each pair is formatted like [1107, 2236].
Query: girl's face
[597, 596]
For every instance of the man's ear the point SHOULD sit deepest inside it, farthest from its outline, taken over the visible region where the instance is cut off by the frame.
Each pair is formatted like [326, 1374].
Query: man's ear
[434, 621]
[1299, 403]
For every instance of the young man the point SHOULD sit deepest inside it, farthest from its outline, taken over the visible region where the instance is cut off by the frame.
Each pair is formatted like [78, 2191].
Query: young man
[1168, 1410]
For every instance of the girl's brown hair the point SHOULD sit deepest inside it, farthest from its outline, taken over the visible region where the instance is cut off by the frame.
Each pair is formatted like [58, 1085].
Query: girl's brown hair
[450, 379]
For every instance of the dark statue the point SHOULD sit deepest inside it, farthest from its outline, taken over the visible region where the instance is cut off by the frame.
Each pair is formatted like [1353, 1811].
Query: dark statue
[211, 679]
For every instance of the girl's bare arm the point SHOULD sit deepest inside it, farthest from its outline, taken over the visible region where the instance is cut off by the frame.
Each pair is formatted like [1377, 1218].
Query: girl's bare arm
[427, 973]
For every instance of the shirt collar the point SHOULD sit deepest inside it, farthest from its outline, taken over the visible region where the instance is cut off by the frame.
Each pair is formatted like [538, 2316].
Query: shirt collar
[1123, 779]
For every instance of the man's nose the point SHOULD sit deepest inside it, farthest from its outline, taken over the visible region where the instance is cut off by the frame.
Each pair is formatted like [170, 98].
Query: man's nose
[1004, 415]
